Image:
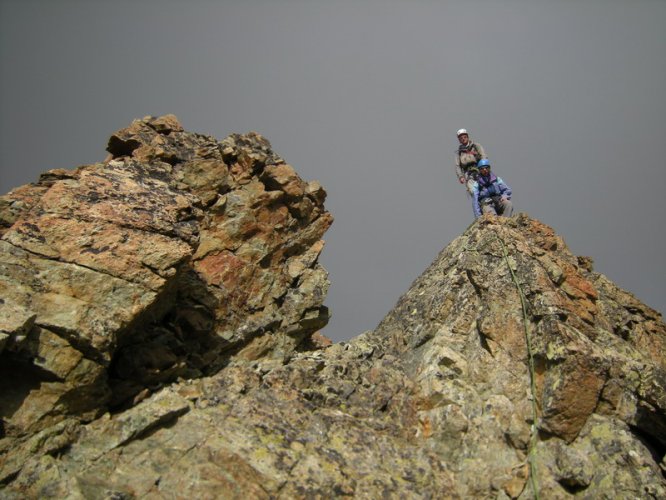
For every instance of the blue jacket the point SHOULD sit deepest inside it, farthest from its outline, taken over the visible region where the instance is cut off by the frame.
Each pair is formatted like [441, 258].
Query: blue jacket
[490, 186]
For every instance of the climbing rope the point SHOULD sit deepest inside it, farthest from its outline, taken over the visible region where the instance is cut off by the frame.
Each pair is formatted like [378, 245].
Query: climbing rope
[531, 452]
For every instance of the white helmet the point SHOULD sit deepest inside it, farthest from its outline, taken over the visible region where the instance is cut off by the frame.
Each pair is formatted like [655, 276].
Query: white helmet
[461, 132]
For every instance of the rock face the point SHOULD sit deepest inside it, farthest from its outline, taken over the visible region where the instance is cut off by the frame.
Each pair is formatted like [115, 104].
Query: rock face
[177, 254]
[508, 367]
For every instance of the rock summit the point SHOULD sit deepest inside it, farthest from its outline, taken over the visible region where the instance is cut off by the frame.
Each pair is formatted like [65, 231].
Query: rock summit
[159, 319]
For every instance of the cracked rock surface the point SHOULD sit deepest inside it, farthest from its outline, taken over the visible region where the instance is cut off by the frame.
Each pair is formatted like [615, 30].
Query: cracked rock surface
[175, 255]
[437, 402]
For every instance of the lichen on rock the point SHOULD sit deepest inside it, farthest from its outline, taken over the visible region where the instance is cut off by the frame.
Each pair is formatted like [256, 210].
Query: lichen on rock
[164, 261]
[178, 285]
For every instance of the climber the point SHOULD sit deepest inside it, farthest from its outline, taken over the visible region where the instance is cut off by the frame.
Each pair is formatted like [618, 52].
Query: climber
[490, 194]
[467, 156]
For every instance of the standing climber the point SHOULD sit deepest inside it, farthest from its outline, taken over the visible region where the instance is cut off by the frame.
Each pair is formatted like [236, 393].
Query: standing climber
[467, 156]
[490, 194]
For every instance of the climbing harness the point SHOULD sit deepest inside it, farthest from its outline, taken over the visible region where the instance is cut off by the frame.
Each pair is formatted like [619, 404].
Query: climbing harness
[472, 149]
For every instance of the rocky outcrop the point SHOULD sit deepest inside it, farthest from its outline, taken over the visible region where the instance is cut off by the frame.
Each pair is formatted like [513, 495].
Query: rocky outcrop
[175, 255]
[597, 380]
[509, 367]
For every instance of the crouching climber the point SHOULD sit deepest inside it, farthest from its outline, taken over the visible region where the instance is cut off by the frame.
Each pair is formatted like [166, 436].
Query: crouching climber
[490, 194]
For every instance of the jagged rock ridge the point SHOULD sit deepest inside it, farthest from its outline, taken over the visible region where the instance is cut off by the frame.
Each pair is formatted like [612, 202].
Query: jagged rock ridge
[174, 255]
[437, 402]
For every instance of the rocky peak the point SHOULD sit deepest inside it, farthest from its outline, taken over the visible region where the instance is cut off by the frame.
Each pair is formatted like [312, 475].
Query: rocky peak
[508, 369]
[522, 355]
[176, 254]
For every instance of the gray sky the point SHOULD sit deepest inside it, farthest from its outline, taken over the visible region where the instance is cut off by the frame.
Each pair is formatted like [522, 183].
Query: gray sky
[567, 97]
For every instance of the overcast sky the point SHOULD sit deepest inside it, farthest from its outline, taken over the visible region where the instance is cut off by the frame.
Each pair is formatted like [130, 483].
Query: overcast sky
[567, 97]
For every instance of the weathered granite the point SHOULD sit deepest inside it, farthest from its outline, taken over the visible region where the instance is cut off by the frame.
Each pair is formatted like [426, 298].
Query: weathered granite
[509, 364]
[168, 259]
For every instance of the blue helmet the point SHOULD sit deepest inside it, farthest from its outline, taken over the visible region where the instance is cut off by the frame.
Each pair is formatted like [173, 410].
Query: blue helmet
[483, 162]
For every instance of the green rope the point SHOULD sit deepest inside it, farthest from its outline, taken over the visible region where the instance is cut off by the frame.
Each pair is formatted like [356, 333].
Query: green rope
[531, 453]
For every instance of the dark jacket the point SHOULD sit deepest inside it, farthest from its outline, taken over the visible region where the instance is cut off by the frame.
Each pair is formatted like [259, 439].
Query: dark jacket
[490, 186]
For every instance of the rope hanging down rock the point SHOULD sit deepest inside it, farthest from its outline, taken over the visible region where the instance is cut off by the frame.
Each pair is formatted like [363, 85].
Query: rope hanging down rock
[531, 452]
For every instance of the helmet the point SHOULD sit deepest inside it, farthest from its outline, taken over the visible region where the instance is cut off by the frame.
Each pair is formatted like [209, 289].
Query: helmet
[461, 132]
[483, 162]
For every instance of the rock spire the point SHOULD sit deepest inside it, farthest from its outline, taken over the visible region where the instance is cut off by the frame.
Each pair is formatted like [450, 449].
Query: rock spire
[175, 255]
[159, 339]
